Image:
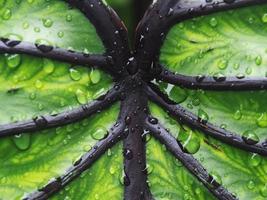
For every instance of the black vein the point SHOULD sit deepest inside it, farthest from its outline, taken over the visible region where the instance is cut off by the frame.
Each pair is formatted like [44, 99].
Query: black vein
[56, 53]
[52, 121]
[84, 163]
[193, 166]
[217, 83]
[188, 118]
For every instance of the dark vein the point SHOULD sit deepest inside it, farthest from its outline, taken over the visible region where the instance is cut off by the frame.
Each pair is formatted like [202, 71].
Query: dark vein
[110, 28]
[52, 121]
[188, 118]
[189, 161]
[84, 163]
[217, 83]
[134, 109]
[55, 53]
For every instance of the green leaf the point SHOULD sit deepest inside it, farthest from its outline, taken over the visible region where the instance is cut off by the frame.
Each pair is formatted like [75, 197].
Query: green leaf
[33, 86]
[232, 43]
[51, 22]
[241, 173]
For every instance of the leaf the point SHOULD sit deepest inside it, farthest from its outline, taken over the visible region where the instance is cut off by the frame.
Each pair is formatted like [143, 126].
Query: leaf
[240, 172]
[51, 22]
[49, 154]
[33, 86]
[231, 43]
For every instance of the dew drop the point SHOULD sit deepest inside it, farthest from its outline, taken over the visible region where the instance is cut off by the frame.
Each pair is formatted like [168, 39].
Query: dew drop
[238, 115]
[75, 74]
[250, 137]
[60, 34]
[48, 66]
[81, 96]
[43, 45]
[99, 133]
[13, 60]
[128, 154]
[263, 190]
[222, 64]
[47, 23]
[262, 120]
[254, 160]
[7, 14]
[192, 144]
[38, 84]
[216, 177]
[152, 120]
[203, 117]
[264, 18]
[68, 17]
[251, 185]
[95, 76]
[213, 22]
[258, 60]
[22, 141]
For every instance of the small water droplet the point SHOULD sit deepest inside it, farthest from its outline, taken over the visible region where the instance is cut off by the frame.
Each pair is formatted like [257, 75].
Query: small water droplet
[203, 117]
[7, 14]
[213, 22]
[68, 17]
[258, 60]
[254, 160]
[262, 120]
[251, 185]
[48, 66]
[264, 18]
[22, 141]
[47, 22]
[99, 133]
[13, 60]
[128, 154]
[238, 115]
[263, 190]
[38, 84]
[95, 76]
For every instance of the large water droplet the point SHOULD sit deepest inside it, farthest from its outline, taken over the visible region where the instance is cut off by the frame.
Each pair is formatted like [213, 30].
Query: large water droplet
[7, 14]
[13, 60]
[250, 137]
[262, 120]
[22, 141]
[95, 76]
[48, 66]
[81, 96]
[238, 115]
[99, 133]
[178, 95]
[43, 45]
[75, 74]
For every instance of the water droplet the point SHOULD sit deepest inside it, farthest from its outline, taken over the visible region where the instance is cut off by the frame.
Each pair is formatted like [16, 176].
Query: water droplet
[178, 94]
[13, 60]
[47, 23]
[25, 25]
[262, 120]
[216, 177]
[48, 66]
[95, 76]
[38, 84]
[153, 120]
[254, 160]
[203, 117]
[60, 34]
[264, 18]
[75, 74]
[250, 137]
[251, 185]
[213, 22]
[7, 14]
[192, 144]
[43, 45]
[81, 96]
[68, 17]
[238, 115]
[222, 64]
[22, 141]
[149, 168]
[112, 170]
[32, 95]
[258, 60]
[263, 190]
[99, 133]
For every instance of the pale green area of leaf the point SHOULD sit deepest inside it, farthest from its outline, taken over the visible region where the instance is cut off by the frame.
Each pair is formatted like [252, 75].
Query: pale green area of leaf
[236, 111]
[50, 153]
[103, 181]
[240, 172]
[52, 21]
[40, 86]
[230, 43]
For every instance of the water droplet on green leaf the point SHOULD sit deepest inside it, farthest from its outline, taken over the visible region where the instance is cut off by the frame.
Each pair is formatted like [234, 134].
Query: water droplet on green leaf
[99, 133]
[22, 141]
[13, 60]
[81, 96]
[95, 76]
[75, 74]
